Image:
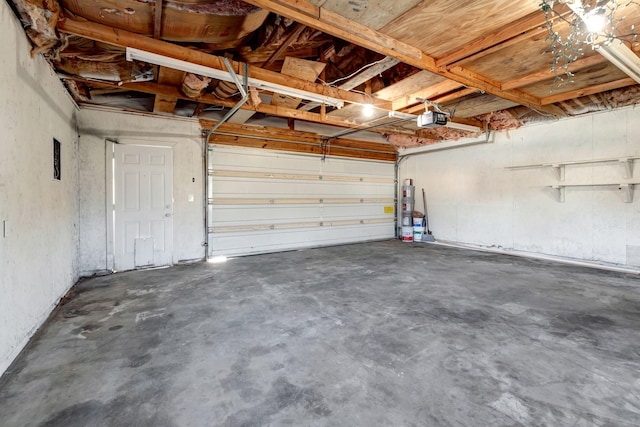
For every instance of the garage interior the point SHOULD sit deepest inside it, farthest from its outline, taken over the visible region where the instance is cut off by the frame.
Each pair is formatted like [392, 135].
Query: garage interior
[202, 209]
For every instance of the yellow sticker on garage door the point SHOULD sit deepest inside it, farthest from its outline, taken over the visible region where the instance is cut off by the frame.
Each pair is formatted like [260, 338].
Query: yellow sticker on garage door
[388, 209]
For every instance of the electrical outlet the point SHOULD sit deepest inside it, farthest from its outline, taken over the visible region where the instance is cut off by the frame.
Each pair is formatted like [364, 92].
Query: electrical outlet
[190, 197]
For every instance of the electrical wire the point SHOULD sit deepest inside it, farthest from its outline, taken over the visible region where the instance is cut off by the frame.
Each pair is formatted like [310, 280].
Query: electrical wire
[354, 73]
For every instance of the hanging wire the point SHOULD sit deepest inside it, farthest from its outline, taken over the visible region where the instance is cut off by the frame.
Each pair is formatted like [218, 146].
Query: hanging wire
[570, 47]
[352, 74]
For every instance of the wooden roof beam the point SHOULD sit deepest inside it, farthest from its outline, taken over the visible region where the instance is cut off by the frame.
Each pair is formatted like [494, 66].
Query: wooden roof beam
[285, 44]
[603, 87]
[524, 28]
[210, 99]
[332, 23]
[426, 93]
[362, 77]
[167, 76]
[547, 73]
[123, 38]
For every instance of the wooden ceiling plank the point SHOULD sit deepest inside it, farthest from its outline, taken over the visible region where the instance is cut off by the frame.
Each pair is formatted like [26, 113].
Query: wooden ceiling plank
[358, 79]
[603, 87]
[272, 110]
[496, 48]
[123, 38]
[426, 93]
[455, 95]
[547, 72]
[329, 22]
[285, 44]
[302, 68]
[525, 27]
[369, 73]
[167, 76]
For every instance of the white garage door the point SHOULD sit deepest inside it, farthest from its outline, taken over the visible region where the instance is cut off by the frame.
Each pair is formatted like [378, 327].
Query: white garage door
[265, 201]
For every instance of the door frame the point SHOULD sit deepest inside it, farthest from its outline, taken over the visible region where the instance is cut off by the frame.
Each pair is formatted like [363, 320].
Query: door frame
[110, 194]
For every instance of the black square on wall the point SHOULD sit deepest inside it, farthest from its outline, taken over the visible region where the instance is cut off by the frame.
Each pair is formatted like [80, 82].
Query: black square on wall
[57, 171]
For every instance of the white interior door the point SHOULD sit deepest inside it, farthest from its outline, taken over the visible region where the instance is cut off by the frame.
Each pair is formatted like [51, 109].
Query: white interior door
[143, 206]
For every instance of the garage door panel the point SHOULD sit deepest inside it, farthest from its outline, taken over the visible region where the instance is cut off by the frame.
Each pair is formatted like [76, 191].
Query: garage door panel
[246, 188]
[227, 158]
[262, 201]
[257, 214]
[234, 244]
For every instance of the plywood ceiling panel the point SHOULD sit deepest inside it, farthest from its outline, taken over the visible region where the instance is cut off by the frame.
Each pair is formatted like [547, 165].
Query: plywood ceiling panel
[441, 26]
[409, 85]
[514, 61]
[372, 13]
[480, 104]
[597, 74]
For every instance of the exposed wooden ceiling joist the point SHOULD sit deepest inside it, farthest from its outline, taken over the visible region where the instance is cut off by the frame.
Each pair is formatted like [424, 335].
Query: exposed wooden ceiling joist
[360, 78]
[426, 93]
[332, 23]
[285, 45]
[123, 38]
[603, 87]
[167, 76]
[209, 99]
[547, 73]
[527, 27]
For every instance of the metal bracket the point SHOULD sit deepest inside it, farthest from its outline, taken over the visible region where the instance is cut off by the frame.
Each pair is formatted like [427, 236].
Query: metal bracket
[242, 87]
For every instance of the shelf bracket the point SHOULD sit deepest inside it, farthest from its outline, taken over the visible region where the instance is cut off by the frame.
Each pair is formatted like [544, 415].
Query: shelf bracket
[560, 192]
[559, 171]
[628, 167]
[628, 192]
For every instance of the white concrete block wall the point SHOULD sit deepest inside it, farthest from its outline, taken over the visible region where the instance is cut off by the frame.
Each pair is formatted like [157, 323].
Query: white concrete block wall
[39, 252]
[98, 125]
[474, 200]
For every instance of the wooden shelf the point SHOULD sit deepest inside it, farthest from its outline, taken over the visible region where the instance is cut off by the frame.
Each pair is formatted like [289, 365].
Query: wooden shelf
[627, 187]
[558, 168]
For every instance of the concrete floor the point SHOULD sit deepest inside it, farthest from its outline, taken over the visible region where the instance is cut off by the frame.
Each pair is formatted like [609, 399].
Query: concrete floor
[386, 333]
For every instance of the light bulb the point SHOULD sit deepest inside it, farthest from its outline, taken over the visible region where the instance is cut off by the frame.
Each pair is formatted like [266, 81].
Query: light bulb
[367, 110]
[595, 21]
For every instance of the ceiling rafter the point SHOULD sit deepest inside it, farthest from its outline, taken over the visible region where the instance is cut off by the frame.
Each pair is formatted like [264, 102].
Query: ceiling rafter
[167, 76]
[209, 99]
[332, 23]
[522, 29]
[293, 36]
[437, 89]
[123, 38]
[360, 78]
[603, 87]
[547, 73]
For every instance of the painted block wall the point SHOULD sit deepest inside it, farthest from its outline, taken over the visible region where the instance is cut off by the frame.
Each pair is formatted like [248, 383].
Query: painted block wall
[39, 251]
[96, 126]
[473, 199]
